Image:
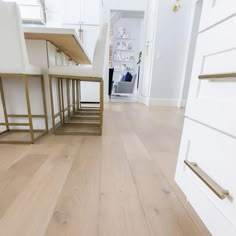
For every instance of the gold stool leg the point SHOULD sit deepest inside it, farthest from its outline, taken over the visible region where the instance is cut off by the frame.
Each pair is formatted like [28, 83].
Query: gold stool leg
[101, 95]
[68, 96]
[44, 102]
[62, 104]
[29, 108]
[4, 104]
[73, 95]
[101, 103]
[78, 94]
[60, 101]
[52, 104]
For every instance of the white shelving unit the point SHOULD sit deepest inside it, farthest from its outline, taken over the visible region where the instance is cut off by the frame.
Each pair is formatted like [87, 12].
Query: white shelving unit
[127, 40]
[124, 56]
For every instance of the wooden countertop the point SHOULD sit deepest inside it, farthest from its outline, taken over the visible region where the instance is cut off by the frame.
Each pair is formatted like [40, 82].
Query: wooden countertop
[64, 39]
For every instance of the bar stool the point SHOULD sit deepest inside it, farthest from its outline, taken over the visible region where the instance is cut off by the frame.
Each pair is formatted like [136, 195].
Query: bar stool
[18, 126]
[72, 118]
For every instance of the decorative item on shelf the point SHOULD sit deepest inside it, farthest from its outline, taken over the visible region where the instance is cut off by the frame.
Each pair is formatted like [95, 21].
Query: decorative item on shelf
[127, 58]
[124, 45]
[123, 67]
[131, 58]
[117, 68]
[130, 46]
[117, 56]
[176, 6]
[118, 45]
[122, 32]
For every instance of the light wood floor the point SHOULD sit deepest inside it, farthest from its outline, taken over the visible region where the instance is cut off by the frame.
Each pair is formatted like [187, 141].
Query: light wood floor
[120, 184]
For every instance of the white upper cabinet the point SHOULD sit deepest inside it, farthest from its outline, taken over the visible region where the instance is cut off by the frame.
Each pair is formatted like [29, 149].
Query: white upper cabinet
[82, 11]
[214, 11]
[31, 10]
[92, 11]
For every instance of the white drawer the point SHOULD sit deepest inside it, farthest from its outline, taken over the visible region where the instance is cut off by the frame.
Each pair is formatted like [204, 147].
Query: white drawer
[215, 11]
[214, 153]
[212, 101]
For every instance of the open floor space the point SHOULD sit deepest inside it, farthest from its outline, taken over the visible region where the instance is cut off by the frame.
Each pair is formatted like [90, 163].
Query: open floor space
[121, 183]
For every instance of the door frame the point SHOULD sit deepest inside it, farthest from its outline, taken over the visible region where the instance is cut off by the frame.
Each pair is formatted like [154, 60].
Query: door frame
[189, 57]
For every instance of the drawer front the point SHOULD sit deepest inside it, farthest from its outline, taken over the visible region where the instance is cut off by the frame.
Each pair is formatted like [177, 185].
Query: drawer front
[212, 101]
[214, 153]
[215, 11]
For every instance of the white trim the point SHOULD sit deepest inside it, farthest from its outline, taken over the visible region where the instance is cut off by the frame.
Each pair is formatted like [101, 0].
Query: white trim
[182, 104]
[157, 102]
[189, 55]
[144, 100]
[163, 102]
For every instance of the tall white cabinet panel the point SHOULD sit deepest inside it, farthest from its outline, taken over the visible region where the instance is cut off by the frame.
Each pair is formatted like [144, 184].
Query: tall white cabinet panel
[207, 156]
[211, 101]
[215, 11]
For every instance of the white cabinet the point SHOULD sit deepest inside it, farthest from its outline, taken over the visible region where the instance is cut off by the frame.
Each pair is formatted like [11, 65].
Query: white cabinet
[211, 101]
[215, 11]
[209, 135]
[92, 11]
[214, 153]
[84, 11]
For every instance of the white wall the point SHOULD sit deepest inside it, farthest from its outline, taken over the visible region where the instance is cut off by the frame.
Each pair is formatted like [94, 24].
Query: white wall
[171, 45]
[128, 5]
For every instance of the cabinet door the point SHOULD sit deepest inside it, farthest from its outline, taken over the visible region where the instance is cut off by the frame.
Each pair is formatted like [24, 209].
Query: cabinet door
[213, 101]
[215, 11]
[84, 11]
[73, 11]
[92, 11]
[214, 153]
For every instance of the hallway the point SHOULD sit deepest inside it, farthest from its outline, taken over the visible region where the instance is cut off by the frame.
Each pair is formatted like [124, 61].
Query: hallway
[120, 184]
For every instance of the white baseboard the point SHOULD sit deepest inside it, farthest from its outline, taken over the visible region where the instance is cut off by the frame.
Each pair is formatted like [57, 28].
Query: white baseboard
[163, 102]
[160, 102]
[182, 104]
[144, 100]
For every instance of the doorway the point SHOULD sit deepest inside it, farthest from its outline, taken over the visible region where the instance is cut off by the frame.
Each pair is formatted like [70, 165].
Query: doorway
[125, 54]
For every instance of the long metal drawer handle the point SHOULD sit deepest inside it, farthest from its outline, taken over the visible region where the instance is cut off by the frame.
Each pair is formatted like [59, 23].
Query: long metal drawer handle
[218, 76]
[220, 192]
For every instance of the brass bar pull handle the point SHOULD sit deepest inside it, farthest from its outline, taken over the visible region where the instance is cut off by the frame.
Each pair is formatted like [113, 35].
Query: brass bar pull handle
[221, 76]
[219, 191]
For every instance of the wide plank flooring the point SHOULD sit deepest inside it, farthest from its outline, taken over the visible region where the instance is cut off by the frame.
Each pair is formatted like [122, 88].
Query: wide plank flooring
[120, 184]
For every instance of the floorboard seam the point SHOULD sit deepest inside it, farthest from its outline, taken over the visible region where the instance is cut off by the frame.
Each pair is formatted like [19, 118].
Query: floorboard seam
[176, 194]
[139, 197]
